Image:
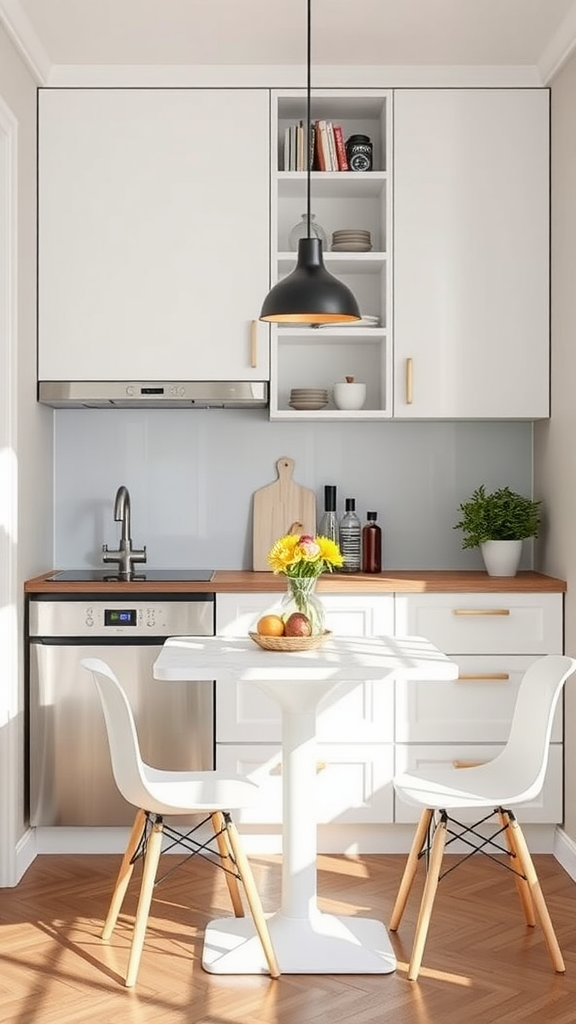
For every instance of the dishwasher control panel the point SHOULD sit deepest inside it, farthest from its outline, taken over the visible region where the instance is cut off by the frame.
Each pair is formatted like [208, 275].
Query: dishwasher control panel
[192, 616]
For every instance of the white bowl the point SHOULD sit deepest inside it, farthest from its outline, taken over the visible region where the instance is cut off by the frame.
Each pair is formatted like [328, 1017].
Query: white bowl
[349, 396]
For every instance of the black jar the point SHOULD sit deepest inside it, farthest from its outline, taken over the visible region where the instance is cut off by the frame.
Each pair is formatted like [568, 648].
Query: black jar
[359, 153]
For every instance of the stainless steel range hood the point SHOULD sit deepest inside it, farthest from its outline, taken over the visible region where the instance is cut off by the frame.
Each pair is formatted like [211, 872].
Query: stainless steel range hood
[98, 394]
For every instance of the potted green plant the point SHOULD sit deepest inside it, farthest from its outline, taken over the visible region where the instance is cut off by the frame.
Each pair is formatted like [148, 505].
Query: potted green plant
[497, 523]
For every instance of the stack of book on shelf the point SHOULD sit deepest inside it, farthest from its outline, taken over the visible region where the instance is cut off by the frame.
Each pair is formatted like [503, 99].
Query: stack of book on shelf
[326, 150]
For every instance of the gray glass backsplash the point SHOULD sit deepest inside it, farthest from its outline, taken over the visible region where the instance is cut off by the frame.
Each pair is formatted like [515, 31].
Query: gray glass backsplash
[192, 474]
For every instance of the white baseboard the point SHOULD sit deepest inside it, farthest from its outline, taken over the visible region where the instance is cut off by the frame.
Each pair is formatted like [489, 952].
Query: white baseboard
[565, 852]
[258, 839]
[26, 851]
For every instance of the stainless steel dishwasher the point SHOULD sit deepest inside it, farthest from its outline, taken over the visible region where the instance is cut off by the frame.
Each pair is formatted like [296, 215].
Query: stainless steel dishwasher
[70, 776]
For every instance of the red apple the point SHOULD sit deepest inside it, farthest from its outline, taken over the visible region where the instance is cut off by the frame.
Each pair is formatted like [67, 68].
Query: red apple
[298, 624]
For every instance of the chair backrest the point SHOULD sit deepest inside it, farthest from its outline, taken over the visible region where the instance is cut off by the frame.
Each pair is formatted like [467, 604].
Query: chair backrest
[127, 765]
[524, 760]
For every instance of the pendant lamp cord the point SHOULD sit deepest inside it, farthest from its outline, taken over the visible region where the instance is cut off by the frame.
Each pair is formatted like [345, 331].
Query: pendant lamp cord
[308, 116]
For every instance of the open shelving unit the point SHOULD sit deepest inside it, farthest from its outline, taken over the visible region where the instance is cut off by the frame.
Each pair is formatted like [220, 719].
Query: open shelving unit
[320, 356]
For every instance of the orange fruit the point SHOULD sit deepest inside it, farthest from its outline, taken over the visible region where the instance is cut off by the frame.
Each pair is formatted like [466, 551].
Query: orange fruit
[270, 625]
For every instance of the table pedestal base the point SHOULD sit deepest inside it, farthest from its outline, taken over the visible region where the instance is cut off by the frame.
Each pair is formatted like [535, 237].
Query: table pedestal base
[326, 944]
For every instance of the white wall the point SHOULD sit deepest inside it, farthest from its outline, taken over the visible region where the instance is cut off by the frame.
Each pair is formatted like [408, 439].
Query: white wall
[30, 442]
[554, 451]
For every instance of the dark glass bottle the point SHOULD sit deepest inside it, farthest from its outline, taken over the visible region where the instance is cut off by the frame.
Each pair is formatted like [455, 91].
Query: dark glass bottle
[371, 544]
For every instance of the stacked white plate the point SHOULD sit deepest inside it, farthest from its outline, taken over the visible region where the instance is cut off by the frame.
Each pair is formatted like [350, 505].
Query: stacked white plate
[365, 321]
[308, 398]
[351, 240]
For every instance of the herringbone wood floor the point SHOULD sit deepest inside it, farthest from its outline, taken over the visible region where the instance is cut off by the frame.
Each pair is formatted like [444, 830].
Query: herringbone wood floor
[481, 964]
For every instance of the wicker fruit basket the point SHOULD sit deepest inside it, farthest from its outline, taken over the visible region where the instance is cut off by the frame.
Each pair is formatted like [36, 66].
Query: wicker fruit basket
[290, 643]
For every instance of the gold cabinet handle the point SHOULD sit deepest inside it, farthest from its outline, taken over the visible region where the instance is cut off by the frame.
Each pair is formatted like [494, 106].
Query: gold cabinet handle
[466, 677]
[462, 763]
[481, 611]
[254, 344]
[409, 380]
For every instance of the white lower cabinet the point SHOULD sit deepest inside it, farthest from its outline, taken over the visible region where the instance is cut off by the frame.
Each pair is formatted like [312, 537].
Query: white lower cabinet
[475, 708]
[494, 638]
[367, 732]
[355, 723]
[353, 781]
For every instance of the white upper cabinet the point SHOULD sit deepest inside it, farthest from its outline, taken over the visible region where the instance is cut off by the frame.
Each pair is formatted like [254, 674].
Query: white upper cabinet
[471, 253]
[154, 234]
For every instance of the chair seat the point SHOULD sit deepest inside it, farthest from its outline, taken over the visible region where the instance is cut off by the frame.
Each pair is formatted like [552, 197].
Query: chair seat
[186, 792]
[451, 788]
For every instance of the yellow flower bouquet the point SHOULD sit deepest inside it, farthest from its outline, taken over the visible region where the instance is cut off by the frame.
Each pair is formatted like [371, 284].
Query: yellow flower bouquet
[301, 558]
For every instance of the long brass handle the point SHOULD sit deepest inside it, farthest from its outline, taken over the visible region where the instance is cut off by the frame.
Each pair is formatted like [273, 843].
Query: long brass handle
[461, 763]
[481, 611]
[465, 677]
[409, 381]
[254, 344]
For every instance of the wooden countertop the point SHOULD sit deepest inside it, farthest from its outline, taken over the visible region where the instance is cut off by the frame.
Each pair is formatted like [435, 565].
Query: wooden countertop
[234, 581]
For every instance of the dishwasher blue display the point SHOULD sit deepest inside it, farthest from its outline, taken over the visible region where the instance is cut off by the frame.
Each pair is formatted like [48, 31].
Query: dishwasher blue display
[120, 617]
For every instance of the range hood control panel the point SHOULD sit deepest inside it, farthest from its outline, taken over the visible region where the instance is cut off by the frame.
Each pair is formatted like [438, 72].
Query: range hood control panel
[110, 394]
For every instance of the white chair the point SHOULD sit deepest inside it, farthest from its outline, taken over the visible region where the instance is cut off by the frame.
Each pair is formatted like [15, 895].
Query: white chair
[157, 793]
[515, 776]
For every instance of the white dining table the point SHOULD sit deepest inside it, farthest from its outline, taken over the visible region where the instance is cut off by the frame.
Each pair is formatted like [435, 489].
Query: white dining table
[306, 940]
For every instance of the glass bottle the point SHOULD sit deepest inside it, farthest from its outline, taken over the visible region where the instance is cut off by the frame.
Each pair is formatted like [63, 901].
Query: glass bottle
[350, 537]
[371, 544]
[328, 525]
[300, 230]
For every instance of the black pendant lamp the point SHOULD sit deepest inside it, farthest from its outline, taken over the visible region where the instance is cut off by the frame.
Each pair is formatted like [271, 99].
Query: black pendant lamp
[310, 295]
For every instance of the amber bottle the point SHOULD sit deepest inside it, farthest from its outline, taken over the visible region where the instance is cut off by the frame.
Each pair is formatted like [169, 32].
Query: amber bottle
[371, 544]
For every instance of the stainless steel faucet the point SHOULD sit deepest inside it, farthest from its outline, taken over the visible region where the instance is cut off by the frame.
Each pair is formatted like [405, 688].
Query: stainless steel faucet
[126, 556]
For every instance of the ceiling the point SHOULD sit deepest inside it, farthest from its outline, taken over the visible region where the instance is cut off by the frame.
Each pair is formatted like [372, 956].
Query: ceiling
[60, 34]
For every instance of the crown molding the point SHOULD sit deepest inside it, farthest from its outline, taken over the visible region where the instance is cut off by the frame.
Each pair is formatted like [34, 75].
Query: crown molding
[290, 76]
[22, 33]
[560, 48]
[20, 30]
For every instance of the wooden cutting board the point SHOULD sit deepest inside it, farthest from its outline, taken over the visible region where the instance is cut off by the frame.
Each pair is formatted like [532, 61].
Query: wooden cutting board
[276, 508]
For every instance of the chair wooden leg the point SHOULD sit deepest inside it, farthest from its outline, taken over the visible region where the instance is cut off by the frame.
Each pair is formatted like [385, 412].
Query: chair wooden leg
[253, 897]
[151, 859]
[124, 875]
[410, 868]
[427, 903]
[538, 898]
[522, 887]
[218, 825]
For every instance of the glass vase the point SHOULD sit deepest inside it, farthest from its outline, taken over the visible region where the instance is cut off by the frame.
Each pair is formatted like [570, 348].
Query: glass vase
[300, 230]
[301, 597]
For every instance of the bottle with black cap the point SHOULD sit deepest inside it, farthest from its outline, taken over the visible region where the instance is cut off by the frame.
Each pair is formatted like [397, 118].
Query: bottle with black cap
[350, 537]
[328, 526]
[371, 544]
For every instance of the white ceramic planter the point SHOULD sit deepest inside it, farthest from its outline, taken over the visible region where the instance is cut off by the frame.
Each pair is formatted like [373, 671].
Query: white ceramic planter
[501, 557]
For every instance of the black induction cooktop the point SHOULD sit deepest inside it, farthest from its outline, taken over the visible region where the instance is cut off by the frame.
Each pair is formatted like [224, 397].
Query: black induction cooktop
[147, 575]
